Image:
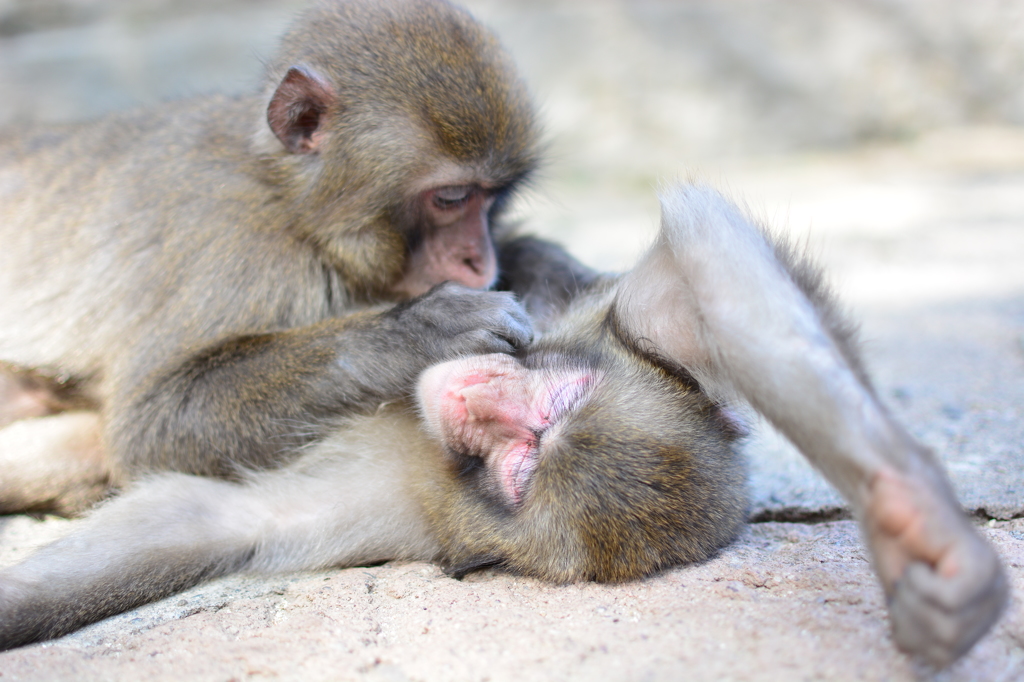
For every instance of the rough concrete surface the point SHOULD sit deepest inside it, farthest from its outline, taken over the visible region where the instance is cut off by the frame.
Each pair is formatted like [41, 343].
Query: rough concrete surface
[785, 602]
[917, 209]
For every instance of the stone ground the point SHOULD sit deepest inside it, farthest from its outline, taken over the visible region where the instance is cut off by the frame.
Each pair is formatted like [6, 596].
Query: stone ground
[924, 238]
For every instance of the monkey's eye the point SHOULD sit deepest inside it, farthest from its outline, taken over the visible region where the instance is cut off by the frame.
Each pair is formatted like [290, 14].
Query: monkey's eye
[447, 198]
[566, 397]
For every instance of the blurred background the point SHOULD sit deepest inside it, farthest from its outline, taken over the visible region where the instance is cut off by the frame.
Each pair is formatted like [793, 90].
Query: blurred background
[741, 92]
[887, 134]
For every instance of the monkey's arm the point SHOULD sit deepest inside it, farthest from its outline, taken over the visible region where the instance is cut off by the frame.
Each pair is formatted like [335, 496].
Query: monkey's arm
[714, 296]
[346, 502]
[542, 275]
[252, 402]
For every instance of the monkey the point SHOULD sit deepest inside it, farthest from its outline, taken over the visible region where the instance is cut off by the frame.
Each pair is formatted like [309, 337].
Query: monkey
[212, 272]
[604, 450]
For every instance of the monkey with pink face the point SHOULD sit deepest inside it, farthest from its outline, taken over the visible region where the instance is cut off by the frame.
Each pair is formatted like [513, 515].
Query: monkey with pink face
[252, 337]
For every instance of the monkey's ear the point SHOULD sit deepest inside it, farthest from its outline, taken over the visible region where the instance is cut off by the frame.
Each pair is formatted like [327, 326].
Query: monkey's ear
[299, 108]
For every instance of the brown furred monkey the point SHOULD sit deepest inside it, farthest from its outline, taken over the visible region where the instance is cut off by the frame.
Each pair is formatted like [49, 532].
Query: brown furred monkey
[372, 166]
[596, 453]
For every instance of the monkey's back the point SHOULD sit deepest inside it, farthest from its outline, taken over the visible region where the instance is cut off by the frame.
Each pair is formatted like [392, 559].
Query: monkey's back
[112, 227]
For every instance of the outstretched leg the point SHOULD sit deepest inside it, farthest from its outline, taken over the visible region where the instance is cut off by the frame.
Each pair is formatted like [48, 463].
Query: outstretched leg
[165, 535]
[346, 502]
[721, 299]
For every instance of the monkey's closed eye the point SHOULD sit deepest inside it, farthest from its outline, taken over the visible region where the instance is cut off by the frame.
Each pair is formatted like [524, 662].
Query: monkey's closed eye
[447, 198]
[567, 397]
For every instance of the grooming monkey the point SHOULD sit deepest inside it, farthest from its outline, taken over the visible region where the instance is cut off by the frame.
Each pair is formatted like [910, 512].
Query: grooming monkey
[204, 275]
[596, 453]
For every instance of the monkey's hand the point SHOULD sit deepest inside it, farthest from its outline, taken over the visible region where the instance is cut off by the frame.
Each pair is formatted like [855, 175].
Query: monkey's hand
[451, 320]
[944, 584]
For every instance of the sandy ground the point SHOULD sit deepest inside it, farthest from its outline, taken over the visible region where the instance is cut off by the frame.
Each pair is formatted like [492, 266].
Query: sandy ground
[785, 602]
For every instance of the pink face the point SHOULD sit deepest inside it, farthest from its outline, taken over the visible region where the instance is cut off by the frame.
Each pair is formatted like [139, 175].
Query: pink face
[491, 407]
[456, 241]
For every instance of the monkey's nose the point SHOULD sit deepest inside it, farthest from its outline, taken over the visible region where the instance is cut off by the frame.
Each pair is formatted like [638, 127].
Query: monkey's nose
[478, 267]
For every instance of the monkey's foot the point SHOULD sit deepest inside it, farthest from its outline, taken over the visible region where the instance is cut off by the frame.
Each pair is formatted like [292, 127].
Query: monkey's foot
[944, 583]
[53, 464]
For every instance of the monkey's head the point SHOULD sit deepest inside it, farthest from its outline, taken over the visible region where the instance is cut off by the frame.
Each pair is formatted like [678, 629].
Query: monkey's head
[398, 130]
[606, 466]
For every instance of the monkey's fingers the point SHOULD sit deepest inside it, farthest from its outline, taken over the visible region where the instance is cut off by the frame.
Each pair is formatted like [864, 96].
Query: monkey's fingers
[938, 618]
[503, 327]
[481, 342]
[452, 320]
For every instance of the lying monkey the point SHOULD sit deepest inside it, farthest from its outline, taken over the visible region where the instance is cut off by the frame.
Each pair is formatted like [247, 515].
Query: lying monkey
[596, 453]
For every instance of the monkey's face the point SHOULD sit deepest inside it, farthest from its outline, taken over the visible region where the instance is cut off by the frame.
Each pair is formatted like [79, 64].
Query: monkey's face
[403, 127]
[599, 466]
[492, 410]
[449, 239]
